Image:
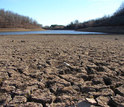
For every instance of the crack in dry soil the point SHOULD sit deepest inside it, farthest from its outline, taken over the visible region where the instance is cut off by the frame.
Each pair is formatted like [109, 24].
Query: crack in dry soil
[61, 70]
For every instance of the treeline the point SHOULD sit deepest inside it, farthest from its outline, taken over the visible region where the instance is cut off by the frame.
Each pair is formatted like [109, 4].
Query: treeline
[9, 19]
[54, 27]
[117, 19]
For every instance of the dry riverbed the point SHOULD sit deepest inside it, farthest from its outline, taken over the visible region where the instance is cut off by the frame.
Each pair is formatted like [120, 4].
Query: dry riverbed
[62, 70]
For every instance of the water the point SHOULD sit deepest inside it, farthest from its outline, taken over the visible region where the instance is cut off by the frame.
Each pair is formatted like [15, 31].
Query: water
[49, 32]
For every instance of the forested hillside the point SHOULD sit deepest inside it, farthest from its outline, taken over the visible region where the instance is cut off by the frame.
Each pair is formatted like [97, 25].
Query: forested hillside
[117, 19]
[9, 19]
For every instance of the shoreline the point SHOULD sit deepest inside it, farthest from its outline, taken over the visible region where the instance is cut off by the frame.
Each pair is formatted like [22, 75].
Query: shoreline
[104, 29]
[19, 29]
[75, 35]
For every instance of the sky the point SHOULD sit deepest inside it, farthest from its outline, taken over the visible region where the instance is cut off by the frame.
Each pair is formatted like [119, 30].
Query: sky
[61, 12]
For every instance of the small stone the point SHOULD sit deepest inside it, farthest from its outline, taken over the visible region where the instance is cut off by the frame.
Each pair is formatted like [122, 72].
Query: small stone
[91, 100]
[42, 95]
[83, 104]
[4, 98]
[87, 89]
[32, 104]
[120, 90]
[107, 92]
[90, 69]
[12, 41]
[116, 38]
[8, 88]
[107, 80]
[58, 105]
[103, 92]
[22, 40]
[97, 81]
[66, 64]
[18, 99]
[117, 101]
[68, 90]
[103, 101]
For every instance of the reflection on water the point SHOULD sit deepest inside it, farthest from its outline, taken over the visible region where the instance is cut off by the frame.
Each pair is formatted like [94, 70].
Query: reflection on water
[49, 32]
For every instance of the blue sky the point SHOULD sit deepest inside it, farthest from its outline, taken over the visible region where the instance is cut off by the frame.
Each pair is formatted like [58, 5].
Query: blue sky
[48, 12]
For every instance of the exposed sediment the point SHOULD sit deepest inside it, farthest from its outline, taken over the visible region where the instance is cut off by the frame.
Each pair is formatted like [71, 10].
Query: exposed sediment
[62, 70]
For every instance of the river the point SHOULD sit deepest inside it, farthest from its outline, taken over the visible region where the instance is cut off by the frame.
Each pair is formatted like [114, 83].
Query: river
[49, 32]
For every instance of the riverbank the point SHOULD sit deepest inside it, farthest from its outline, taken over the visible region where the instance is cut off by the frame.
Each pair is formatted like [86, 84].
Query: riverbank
[19, 29]
[61, 70]
[113, 30]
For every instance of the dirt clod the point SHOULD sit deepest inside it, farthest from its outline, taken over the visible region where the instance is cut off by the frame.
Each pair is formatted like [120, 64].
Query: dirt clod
[62, 70]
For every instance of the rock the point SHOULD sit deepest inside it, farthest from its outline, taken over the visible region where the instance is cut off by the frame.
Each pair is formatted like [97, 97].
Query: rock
[20, 92]
[16, 82]
[23, 41]
[100, 69]
[66, 99]
[8, 88]
[107, 92]
[5, 98]
[63, 82]
[1, 81]
[90, 69]
[87, 89]
[32, 88]
[83, 104]
[97, 80]
[42, 96]
[75, 69]
[35, 74]
[117, 101]
[58, 105]
[32, 104]
[72, 78]
[83, 76]
[27, 91]
[102, 92]
[51, 71]
[66, 64]
[20, 70]
[120, 90]
[13, 73]
[48, 62]
[18, 100]
[107, 80]
[116, 39]
[91, 100]
[3, 75]
[12, 40]
[41, 85]
[103, 101]
[101, 63]
[75, 87]
[68, 90]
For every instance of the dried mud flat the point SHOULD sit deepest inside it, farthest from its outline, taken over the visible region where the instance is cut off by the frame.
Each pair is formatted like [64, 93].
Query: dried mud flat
[62, 70]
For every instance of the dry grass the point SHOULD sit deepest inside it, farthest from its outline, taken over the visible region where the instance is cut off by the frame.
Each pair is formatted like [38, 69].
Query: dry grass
[19, 29]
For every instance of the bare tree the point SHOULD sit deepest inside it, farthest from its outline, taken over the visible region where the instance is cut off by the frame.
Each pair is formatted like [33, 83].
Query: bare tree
[9, 19]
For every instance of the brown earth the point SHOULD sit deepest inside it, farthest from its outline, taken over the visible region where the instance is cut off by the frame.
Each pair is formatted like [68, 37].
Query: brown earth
[62, 70]
[19, 29]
